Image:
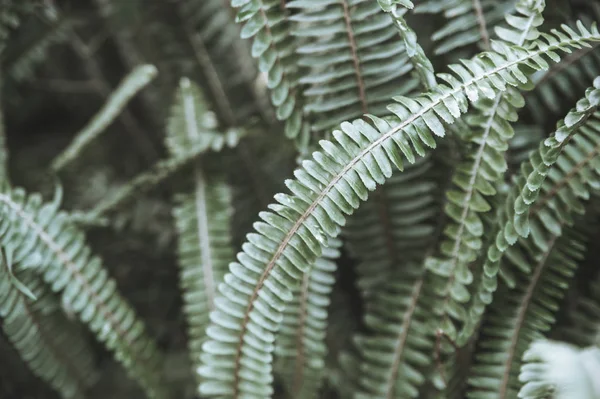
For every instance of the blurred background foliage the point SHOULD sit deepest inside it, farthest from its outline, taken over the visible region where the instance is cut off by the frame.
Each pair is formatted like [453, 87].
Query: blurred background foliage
[61, 62]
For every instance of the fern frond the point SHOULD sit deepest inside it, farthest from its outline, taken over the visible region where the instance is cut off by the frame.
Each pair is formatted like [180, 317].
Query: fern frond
[237, 363]
[530, 182]
[267, 22]
[561, 371]
[202, 217]
[544, 268]
[131, 84]
[474, 181]
[355, 61]
[300, 347]
[32, 336]
[41, 237]
[469, 22]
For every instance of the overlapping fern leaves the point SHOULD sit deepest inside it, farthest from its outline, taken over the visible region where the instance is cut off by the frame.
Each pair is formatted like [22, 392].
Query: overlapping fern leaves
[238, 362]
[40, 236]
[354, 58]
[469, 22]
[513, 220]
[300, 348]
[475, 178]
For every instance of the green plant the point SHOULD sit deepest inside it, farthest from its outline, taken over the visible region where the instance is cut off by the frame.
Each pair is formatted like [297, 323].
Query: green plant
[426, 237]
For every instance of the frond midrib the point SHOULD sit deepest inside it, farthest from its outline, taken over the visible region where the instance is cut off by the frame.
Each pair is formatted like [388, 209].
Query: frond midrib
[520, 319]
[402, 337]
[355, 59]
[540, 203]
[65, 260]
[465, 212]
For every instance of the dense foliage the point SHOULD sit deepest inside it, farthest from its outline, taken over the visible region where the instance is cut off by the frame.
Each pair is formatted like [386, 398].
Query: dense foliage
[299, 199]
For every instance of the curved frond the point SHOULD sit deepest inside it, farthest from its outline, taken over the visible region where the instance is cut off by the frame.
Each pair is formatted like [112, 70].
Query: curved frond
[561, 371]
[475, 179]
[41, 237]
[300, 347]
[237, 360]
[576, 132]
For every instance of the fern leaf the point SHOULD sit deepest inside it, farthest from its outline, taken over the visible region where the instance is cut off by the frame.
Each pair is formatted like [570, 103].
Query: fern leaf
[41, 237]
[561, 371]
[415, 52]
[163, 170]
[32, 336]
[267, 22]
[300, 348]
[355, 61]
[202, 217]
[526, 312]
[133, 83]
[238, 362]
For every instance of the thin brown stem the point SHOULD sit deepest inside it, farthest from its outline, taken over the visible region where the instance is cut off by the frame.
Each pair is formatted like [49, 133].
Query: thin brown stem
[355, 59]
[483, 31]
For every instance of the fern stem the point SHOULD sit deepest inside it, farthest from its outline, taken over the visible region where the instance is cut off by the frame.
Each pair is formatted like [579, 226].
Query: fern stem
[402, 338]
[355, 58]
[540, 203]
[212, 77]
[483, 31]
